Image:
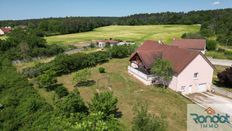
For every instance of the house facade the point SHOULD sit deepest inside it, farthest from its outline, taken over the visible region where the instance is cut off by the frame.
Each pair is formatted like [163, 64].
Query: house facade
[191, 44]
[193, 72]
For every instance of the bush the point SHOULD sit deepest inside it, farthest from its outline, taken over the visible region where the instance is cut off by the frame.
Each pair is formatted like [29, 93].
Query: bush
[192, 36]
[47, 80]
[61, 91]
[225, 77]
[121, 51]
[211, 45]
[104, 102]
[143, 121]
[72, 103]
[101, 70]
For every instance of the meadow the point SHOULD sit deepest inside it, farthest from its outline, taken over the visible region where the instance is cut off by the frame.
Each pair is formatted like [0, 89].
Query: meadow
[129, 33]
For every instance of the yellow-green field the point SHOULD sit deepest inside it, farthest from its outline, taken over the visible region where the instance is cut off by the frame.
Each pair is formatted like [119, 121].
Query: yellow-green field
[129, 33]
[129, 91]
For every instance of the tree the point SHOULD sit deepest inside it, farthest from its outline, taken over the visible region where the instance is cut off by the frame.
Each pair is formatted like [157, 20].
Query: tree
[81, 76]
[101, 69]
[47, 80]
[72, 103]
[143, 121]
[225, 77]
[211, 45]
[104, 102]
[163, 69]
[192, 36]
[61, 91]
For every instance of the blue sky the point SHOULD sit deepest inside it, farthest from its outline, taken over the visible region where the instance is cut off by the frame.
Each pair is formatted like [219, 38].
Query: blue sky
[26, 9]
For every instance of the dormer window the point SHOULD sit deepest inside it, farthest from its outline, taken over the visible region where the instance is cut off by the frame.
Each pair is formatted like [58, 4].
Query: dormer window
[195, 76]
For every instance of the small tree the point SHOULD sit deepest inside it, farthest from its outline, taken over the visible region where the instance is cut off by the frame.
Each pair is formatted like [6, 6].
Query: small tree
[163, 69]
[225, 77]
[211, 45]
[72, 103]
[61, 91]
[104, 102]
[81, 76]
[143, 121]
[47, 80]
[101, 69]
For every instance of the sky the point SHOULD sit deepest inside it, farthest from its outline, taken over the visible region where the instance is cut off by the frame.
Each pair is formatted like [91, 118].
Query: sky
[28, 9]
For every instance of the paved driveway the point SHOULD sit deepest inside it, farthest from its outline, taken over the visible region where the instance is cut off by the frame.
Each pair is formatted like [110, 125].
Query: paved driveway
[221, 62]
[206, 98]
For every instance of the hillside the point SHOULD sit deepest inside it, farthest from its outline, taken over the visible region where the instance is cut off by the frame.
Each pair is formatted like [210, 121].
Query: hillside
[130, 33]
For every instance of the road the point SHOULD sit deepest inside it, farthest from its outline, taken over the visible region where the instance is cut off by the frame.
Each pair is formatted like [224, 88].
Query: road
[222, 62]
[217, 102]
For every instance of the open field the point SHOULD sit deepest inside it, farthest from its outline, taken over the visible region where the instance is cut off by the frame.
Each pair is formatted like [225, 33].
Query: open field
[130, 91]
[130, 33]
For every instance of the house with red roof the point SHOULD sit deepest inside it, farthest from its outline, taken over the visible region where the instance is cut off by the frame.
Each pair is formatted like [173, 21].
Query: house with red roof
[191, 44]
[193, 72]
[5, 30]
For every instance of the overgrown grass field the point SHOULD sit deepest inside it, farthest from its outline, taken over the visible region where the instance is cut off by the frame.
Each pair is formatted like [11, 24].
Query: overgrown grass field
[130, 33]
[129, 91]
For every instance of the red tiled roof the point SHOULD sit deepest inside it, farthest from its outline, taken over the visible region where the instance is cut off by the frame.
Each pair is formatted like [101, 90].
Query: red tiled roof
[6, 30]
[178, 57]
[198, 44]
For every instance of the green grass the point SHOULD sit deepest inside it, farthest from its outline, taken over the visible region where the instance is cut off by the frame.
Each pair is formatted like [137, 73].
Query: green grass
[130, 33]
[2, 37]
[129, 91]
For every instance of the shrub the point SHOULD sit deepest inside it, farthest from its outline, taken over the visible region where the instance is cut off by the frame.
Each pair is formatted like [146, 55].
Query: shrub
[47, 80]
[81, 76]
[225, 77]
[72, 103]
[192, 36]
[101, 70]
[143, 121]
[104, 102]
[211, 45]
[61, 91]
[121, 51]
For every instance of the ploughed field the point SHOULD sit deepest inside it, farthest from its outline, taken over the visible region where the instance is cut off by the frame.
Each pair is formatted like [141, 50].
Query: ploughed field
[129, 33]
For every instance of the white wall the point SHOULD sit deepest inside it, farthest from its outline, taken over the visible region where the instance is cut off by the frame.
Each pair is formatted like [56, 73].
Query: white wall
[1, 32]
[205, 74]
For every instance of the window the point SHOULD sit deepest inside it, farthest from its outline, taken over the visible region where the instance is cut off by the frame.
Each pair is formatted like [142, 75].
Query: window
[182, 88]
[195, 75]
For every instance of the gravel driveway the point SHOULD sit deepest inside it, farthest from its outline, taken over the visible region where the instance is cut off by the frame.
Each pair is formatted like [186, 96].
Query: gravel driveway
[221, 62]
[206, 98]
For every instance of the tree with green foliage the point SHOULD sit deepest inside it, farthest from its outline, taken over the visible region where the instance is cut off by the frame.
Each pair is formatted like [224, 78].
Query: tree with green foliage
[101, 70]
[143, 121]
[211, 45]
[47, 80]
[163, 70]
[61, 91]
[192, 36]
[81, 75]
[104, 102]
[72, 103]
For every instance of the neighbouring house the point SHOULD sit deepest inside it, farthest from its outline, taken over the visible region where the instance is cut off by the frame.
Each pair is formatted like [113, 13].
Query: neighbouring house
[103, 43]
[193, 72]
[192, 44]
[5, 30]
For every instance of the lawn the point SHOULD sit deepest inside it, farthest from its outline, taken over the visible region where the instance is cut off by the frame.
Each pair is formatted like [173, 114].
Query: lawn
[130, 33]
[130, 91]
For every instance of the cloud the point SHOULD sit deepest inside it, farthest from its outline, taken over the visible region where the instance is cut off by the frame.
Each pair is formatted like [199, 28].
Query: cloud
[216, 3]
